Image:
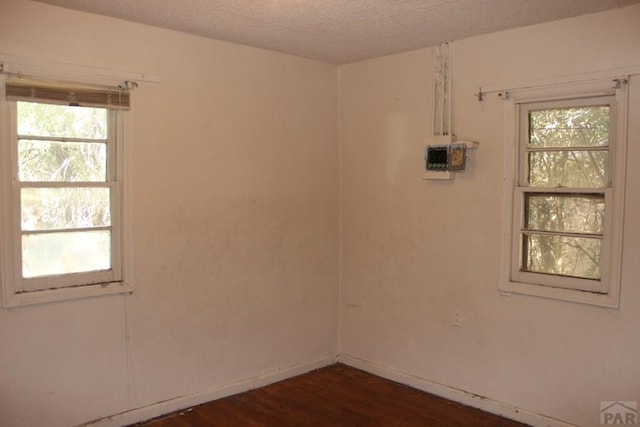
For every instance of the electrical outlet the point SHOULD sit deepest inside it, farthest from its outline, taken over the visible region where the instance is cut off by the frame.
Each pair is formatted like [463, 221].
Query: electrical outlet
[457, 319]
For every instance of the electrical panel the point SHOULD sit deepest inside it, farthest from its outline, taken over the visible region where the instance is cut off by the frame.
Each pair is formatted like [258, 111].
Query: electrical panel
[436, 157]
[445, 156]
[452, 157]
[457, 160]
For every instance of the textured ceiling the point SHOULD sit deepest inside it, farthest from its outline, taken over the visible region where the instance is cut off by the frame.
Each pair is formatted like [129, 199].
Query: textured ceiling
[340, 31]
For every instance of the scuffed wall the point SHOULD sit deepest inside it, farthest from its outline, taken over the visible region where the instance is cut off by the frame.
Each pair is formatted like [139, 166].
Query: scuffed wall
[234, 178]
[416, 252]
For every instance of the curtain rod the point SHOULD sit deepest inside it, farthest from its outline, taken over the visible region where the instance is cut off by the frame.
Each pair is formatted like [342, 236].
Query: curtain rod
[616, 76]
[39, 69]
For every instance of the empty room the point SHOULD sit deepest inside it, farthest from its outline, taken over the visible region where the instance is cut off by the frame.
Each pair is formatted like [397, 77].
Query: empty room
[201, 198]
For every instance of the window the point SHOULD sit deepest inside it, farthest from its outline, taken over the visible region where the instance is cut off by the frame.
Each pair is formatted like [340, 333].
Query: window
[566, 196]
[62, 192]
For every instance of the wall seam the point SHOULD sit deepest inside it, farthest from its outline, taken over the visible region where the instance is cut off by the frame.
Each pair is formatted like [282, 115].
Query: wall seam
[340, 215]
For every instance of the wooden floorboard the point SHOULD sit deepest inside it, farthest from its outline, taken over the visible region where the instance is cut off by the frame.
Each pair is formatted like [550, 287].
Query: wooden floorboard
[337, 395]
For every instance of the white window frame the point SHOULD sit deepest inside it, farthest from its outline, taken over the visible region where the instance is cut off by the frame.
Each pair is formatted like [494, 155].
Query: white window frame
[16, 291]
[606, 291]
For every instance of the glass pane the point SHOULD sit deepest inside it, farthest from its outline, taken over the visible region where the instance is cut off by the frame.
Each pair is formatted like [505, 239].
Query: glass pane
[573, 213]
[569, 127]
[48, 161]
[35, 119]
[561, 255]
[63, 208]
[576, 169]
[64, 253]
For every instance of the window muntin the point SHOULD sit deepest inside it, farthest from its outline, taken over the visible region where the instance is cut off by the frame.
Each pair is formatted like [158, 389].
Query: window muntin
[563, 192]
[67, 193]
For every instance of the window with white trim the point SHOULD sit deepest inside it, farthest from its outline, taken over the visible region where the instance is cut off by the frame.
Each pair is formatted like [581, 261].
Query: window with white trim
[62, 191]
[567, 194]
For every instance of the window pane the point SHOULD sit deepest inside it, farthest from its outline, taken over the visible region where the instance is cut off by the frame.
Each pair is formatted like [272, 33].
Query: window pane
[48, 161]
[569, 127]
[35, 119]
[577, 213]
[566, 256]
[61, 208]
[577, 169]
[64, 253]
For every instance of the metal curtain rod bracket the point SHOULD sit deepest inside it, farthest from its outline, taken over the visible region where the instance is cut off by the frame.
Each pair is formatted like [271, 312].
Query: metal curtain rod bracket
[129, 84]
[619, 83]
[479, 95]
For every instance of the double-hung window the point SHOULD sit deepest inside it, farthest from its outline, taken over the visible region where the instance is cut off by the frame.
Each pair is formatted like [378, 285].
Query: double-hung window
[62, 192]
[567, 197]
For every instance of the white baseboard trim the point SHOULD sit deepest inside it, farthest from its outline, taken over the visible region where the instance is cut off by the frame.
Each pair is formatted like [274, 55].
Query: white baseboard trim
[480, 402]
[267, 377]
[271, 376]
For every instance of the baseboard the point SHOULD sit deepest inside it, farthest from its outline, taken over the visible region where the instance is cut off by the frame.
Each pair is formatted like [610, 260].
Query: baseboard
[160, 408]
[457, 395]
[271, 376]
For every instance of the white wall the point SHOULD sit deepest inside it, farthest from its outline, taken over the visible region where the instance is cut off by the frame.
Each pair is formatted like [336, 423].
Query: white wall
[414, 251]
[235, 226]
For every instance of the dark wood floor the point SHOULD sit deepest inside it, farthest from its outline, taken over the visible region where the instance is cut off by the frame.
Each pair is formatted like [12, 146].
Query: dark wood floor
[337, 395]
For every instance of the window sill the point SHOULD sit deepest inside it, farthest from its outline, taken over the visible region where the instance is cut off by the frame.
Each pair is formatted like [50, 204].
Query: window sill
[609, 300]
[65, 294]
